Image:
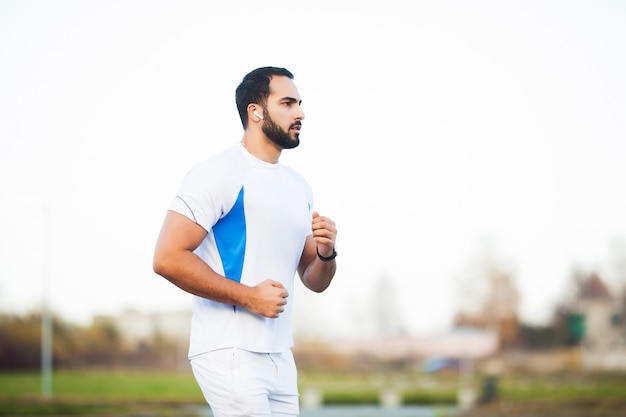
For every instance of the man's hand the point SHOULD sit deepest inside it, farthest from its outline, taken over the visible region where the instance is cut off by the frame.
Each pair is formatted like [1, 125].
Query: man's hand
[324, 233]
[268, 299]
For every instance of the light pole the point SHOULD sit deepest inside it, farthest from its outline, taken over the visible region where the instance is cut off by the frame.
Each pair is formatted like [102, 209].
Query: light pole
[46, 319]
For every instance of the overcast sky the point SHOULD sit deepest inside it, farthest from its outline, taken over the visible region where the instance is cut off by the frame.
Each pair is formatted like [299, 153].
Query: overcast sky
[435, 132]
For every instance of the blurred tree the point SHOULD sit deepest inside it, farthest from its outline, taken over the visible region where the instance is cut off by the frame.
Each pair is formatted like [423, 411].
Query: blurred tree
[489, 299]
[618, 269]
[97, 345]
[617, 262]
[539, 337]
[386, 307]
[102, 343]
[20, 341]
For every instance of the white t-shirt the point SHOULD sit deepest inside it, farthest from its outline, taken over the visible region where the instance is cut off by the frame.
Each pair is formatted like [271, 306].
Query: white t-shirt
[257, 216]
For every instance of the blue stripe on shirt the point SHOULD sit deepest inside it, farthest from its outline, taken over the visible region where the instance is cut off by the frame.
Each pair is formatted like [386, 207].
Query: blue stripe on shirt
[230, 238]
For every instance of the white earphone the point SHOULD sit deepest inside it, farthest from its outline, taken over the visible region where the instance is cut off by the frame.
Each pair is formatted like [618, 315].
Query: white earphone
[257, 115]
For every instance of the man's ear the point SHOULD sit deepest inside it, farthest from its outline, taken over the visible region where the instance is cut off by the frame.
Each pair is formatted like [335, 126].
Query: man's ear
[255, 112]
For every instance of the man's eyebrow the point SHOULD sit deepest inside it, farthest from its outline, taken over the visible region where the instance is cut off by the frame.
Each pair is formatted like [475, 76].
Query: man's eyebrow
[291, 100]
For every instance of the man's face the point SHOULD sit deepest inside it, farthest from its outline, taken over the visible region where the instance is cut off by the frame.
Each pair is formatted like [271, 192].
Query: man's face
[283, 115]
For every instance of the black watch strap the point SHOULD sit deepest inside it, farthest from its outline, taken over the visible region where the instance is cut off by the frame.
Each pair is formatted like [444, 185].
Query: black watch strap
[327, 258]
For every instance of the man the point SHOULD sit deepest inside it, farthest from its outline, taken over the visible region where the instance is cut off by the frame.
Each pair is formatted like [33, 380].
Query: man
[239, 228]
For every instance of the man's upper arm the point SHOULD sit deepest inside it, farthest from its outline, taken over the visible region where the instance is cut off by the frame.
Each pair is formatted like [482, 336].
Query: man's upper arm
[180, 232]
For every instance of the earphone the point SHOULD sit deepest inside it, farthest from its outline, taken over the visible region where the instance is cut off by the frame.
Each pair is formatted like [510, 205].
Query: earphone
[257, 115]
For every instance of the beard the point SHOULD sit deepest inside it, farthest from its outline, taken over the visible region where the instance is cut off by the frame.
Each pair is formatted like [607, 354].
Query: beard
[278, 136]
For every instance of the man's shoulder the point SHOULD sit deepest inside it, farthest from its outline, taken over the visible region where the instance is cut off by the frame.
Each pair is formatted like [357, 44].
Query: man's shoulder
[227, 154]
[223, 159]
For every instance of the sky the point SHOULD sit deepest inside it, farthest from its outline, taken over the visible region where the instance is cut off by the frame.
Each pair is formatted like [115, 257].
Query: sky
[437, 134]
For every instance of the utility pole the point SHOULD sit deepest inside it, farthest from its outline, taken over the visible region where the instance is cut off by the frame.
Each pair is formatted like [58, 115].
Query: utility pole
[46, 319]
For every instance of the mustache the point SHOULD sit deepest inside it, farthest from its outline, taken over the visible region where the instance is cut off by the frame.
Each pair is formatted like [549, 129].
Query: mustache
[298, 123]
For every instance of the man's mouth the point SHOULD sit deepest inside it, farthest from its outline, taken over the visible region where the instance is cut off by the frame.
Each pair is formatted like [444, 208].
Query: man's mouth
[296, 126]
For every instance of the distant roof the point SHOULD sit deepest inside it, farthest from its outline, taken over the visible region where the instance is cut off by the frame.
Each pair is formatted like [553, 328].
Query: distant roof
[593, 288]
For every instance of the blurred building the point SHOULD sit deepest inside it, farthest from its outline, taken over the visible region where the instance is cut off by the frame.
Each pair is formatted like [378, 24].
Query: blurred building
[459, 343]
[498, 312]
[598, 321]
[136, 327]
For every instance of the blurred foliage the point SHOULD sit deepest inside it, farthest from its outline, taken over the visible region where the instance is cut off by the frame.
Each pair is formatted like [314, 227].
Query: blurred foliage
[20, 342]
[99, 345]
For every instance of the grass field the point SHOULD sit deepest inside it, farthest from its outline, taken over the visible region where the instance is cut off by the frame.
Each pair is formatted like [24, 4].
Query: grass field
[121, 393]
[104, 386]
[100, 393]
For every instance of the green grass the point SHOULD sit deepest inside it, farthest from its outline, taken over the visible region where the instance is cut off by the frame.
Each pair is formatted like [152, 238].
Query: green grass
[104, 385]
[159, 394]
[99, 393]
[367, 389]
[40, 408]
[564, 388]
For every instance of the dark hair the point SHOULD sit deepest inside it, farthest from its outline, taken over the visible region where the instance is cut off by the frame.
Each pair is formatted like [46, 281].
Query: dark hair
[255, 88]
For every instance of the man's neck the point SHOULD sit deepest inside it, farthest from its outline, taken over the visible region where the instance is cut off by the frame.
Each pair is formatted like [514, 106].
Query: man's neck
[261, 147]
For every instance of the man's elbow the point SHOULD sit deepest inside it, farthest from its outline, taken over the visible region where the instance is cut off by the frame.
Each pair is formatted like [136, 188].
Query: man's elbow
[317, 286]
[161, 264]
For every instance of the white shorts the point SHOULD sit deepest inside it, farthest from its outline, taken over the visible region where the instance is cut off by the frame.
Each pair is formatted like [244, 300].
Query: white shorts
[239, 383]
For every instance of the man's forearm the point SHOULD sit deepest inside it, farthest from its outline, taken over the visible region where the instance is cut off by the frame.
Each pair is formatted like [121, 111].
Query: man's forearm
[319, 274]
[188, 272]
